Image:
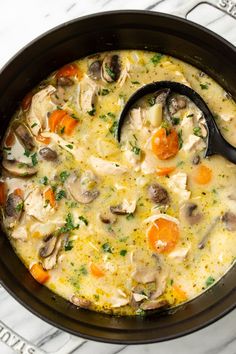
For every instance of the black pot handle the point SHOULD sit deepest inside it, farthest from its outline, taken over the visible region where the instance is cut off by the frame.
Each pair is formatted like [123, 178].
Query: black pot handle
[190, 5]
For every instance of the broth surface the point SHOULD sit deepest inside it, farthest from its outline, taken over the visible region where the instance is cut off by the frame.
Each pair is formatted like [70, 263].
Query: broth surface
[120, 228]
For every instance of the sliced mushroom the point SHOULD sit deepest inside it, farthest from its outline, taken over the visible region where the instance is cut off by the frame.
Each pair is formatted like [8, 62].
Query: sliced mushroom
[107, 217]
[25, 137]
[48, 246]
[161, 96]
[94, 70]
[50, 261]
[196, 160]
[80, 302]
[229, 219]
[158, 194]
[81, 190]
[111, 68]
[64, 81]
[191, 214]
[60, 96]
[13, 207]
[124, 208]
[19, 169]
[207, 233]
[48, 154]
[153, 304]
[175, 103]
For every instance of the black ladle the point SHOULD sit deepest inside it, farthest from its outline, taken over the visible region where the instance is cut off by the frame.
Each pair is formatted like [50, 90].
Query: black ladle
[216, 144]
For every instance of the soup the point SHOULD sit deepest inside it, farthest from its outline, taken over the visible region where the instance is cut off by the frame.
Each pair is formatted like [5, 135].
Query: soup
[122, 228]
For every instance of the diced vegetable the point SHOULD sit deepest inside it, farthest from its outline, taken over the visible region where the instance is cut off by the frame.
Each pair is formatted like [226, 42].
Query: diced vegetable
[55, 119]
[165, 144]
[69, 70]
[96, 271]
[68, 124]
[26, 102]
[10, 139]
[43, 139]
[203, 174]
[155, 115]
[39, 273]
[19, 192]
[178, 293]
[164, 171]
[50, 197]
[210, 280]
[163, 235]
[2, 193]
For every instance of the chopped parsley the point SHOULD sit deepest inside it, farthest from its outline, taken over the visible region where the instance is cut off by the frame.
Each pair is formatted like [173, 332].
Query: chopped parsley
[61, 194]
[204, 86]
[113, 129]
[151, 101]
[106, 247]
[82, 218]
[190, 115]
[69, 225]
[44, 180]
[135, 149]
[110, 72]
[103, 117]
[19, 207]
[92, 112]
[210, 280]
[112, 115]
[27, 153]
[34, 125]
[197, 131]
[175, 120]
[62, 130]
[180, 138]
[104, 92]
[34, 159]
[83, 270]
[69, 245]
[156, 58]
[63, 176]
[135, 82]
[123, 252]
[70, 146]
[130, 216]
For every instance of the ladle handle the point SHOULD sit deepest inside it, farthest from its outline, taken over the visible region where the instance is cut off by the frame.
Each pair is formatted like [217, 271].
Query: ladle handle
[218, 145]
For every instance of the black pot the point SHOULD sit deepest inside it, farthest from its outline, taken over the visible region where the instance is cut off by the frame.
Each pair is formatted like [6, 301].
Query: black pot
[87, 35]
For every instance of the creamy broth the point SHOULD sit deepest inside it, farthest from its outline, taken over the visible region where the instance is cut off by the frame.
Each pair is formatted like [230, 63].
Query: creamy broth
[120, 228]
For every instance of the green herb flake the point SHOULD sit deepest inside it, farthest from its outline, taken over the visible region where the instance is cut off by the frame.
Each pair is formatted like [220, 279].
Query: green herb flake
[156, 58]
[92, 112]
[62, 130]
[135, 82]
[70, 146]
[82, 218]
[112, 115]
[69, 225]
[60, 194]
[110, 72]
[83, 270]
[113, 129]
[175, 120]
[135, 149]
[190, 115]
[210, 280]
[69, 245]
[151, 101]
[180, 163]
[27, 153]
[123, 252]
[34, 125]
[103, 117]
[96, 297]
[140, 312]
[63, 176]
[104, 92]
[19, 207]
[204, 86]
[34, 159]
[180, 138]
[197, 131]
[106, 247]
[44, 180]
[130, 216]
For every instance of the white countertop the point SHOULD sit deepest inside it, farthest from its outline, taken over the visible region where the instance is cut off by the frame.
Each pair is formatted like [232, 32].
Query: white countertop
[20, 22]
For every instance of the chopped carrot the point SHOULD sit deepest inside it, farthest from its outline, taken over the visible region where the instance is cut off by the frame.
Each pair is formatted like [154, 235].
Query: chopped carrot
[2, 193]
[165, 145]
[164, 171]
[18, 192]
[163, 235]
[50, 197]
[43, 139]
[96, 271]
[55, 119]
[26, 102]
[68, 70]
[178, 293]
[10, 139]
[67, 124]
[203, 174]
[39, 273]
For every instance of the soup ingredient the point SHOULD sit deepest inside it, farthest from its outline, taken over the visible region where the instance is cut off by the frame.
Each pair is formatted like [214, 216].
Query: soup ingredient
[191, 214]
[48, 154]
[83, 189]
[163, 235]
[229, 219]
[80, 302]
[158, 194]
[94, 70]
[124, 208]
[111, 68]
[39, 273]
[50, 197]
[13, 207]
[18, 168]
[165, 143]
[25, 136]
[68, 70]
[165, 171]
[96, 271]
[2, 193]
[203, 174]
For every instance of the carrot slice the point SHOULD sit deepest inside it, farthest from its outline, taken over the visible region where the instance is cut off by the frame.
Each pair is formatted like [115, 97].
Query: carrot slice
[26, 102]
[18, 192]
[203, 174]
[50, 197]
[67, 124]
[96, 271]
[179, 293]
[68, 70]
[2, 193]
[39, 273]
[163, 235]
[10, 139]
[43, 139]
[55, 119]
[165, 145]
[164, 171]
